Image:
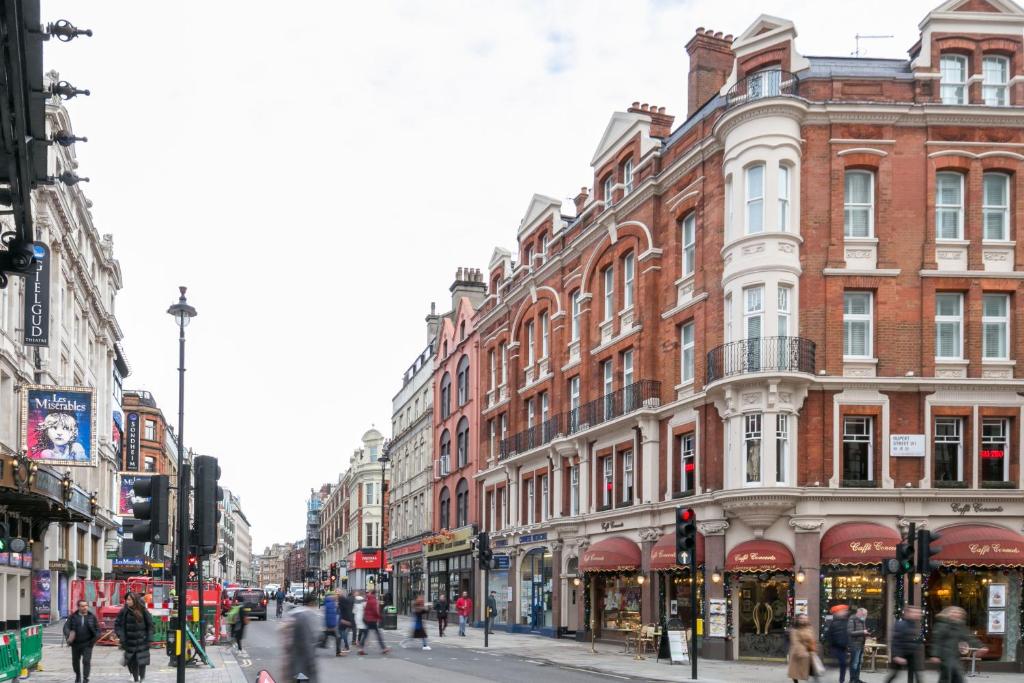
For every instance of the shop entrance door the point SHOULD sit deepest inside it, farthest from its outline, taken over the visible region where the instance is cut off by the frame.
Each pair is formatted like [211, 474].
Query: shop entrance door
[761, 615]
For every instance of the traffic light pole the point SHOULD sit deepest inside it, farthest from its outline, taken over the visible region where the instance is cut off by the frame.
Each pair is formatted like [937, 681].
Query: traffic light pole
[694, 603]
[487, 609]
[199, 594]
[184, 476]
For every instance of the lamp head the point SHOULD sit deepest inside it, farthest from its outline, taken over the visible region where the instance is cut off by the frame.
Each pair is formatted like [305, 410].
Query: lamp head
[181, 311]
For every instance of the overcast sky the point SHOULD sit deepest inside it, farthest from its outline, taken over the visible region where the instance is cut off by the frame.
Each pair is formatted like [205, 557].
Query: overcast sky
[315, 171]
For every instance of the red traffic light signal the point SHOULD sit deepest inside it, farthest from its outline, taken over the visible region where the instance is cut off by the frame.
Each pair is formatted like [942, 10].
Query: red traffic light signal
[686, 536]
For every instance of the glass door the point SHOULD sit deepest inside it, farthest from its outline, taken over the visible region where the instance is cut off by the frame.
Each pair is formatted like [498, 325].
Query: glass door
[762, 612]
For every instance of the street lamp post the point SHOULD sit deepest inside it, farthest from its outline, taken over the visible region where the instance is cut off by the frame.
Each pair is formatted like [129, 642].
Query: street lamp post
[384, 459]
[183, 314]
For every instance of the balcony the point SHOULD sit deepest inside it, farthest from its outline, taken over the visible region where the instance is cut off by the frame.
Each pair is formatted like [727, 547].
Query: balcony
[761, 354]
[768, 83]
[645, 393]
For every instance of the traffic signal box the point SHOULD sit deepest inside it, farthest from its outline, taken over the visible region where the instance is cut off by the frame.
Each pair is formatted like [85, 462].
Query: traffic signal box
[154, 526]
[927, 547]
[686, 535]
[483, 546]
[207, 495]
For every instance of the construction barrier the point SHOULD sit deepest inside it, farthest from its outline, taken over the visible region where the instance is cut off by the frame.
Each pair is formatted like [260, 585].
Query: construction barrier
[97, 594]
[10, 661]
[31, 646]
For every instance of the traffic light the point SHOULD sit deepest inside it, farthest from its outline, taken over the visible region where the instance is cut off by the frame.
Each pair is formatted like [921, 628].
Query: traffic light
[193, 569]
[926, 549]
[686, 535]
[483, 546]
[905, 558]
[154, 527]
[208, 494]
[8, 544]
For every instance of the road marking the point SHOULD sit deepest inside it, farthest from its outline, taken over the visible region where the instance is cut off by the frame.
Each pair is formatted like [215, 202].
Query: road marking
[596, 673]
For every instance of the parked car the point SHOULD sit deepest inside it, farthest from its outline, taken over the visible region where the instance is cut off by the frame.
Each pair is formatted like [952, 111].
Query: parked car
[295, 594]
[254, 602]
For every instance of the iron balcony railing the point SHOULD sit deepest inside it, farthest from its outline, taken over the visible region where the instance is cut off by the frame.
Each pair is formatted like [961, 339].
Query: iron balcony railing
[645, 393]
[761, 354]
[767, 83]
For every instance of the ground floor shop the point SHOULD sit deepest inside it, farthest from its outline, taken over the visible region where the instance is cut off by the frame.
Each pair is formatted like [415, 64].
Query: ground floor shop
[408, 573]
[451, 569]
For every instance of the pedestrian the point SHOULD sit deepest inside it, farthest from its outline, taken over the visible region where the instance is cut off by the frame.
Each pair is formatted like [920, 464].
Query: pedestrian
[331, 624]
[857, 627]
[419, 613]
[906, 646]
[492, 609]
[134, 628]
[279, 599]
[837, 636]
[346, 622]
[236, 621]
[301, 630]
[464, 608]
[81, 631]
[358, 625]
[803, 648]
[441, 608]
[371, 621]
[950, 640]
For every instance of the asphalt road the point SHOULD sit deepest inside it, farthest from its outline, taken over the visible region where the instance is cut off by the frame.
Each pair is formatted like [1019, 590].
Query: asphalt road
[263, 649]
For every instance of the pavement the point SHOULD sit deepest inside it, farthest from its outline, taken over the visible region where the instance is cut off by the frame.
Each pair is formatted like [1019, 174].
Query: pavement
[510, 658]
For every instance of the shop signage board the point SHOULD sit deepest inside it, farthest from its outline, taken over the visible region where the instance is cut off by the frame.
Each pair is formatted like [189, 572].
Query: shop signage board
[37, 299]
[677, 647]
[906, 445]
[716, 618]
[502, 562]
[533, 538]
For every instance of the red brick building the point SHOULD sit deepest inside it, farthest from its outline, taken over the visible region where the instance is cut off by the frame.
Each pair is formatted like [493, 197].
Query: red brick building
[456, 416]
[797, 312]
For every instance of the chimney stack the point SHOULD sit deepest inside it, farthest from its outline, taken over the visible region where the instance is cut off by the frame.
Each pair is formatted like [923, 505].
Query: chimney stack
[469, 283]
[711, 60]
[433, 323]
[661, 123]
[581, 200]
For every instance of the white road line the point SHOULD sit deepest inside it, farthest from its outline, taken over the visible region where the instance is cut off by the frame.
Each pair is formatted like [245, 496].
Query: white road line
[596, 673]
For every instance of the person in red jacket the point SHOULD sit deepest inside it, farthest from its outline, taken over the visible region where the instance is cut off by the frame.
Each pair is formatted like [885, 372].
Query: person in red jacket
[371, 619]
[464, 608]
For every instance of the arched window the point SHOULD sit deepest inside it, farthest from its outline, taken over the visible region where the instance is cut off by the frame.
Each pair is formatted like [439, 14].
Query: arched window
[444, 502]
[462, 442]
[463, 380]
[446, 396]
[462, 330]
[446, 451]
[462, 503]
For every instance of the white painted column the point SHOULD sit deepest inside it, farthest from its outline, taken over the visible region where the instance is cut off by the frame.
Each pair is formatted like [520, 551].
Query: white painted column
[557, 481]
[650, 444]
[586, 483]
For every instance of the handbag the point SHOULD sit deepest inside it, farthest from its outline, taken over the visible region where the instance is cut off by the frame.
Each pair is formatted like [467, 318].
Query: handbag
[817, 666]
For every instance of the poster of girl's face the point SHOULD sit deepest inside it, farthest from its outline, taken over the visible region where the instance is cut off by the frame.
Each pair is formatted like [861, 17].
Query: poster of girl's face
[58, 425]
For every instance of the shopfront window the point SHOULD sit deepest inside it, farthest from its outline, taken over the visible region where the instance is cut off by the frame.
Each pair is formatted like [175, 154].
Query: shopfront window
[857, 587]
[618, 598]
[536, 589]
[995, 450]
[991, 598]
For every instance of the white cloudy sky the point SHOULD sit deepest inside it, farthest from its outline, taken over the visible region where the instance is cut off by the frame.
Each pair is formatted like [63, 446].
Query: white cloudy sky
[316, 170]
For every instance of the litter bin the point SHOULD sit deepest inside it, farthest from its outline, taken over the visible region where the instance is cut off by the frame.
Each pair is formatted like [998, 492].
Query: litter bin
[389, 619]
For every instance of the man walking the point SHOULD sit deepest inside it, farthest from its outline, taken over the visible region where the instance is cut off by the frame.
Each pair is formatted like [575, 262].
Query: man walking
[300, 656]
[346, 620]
[331, 624]
[858, 630]
[371, 620]
[464, 608]
[492, 609]
[81, 631]
[950, 640]
[838, 638]
[441, 607]
[906, 646]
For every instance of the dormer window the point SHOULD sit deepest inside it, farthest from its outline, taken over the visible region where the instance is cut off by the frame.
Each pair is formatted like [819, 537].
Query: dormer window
[953, 79]
[627, 175]
[543, 246]
[609, 183]
[995, 74]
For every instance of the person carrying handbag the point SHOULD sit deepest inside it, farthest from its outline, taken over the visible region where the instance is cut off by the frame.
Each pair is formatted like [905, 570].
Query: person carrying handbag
[804, 662]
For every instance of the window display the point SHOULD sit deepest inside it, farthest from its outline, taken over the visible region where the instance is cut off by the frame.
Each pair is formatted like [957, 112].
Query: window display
[991, 598]
[619, 598]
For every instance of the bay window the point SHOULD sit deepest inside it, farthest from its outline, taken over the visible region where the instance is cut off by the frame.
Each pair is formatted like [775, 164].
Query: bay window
[781, 447]
[783, 198]
[752, 448]
[755, 199]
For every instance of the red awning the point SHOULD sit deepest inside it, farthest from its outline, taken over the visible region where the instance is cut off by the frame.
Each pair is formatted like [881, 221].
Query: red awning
[663, 554]
[614, 554]
[858, 543]
[980, 545]
[759, 556]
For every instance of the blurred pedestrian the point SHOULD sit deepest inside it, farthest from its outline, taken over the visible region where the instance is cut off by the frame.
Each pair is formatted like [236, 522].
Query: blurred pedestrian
[236, 621]
[331, 623]
[857, 627]
[300, 653]
[134, 628]
[492, 609]
[464, 608]
[81, 631]
[371, 621]
[837, 637]
[279, 599]
[441, 608]
[950, 640]
[906, 646]
[419, 613]
[803, 648]
[358, 625]
[346, 622]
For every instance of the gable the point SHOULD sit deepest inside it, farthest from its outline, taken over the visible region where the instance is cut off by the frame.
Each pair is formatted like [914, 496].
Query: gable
[987, 6]
[984, 17]
[621, 128]
[540, 208]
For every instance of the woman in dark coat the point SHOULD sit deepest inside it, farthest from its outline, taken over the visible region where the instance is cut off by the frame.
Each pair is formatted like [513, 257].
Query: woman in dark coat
[134, 628]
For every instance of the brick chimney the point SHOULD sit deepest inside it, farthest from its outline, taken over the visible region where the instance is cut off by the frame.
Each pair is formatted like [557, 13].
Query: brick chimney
[581, 200]
[711, 60]
[661, 123]
[469, 283]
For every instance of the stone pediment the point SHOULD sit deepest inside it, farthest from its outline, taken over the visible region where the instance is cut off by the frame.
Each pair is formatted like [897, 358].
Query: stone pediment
[622, 126]
[541, 207]
[981, 6]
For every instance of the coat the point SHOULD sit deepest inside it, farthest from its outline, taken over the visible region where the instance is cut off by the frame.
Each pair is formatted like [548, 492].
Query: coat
[357, 613]
[838, 633]
[441, 607]
[945, 642]
[331, 613]
[301, 652]
[345, 616]
[134, 634]
[86, 629]
[857, 630]
[906, 639]
[801, 646]
[371, 613]
[464, 607]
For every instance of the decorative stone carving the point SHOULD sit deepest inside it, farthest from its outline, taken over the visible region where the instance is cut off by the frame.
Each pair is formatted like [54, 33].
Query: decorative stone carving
[947, 255]
[858, 253]
[950, 372]
[785, 397]
[760, 512]
[582, 543]
[997, 373]
[756, 248]
[751, 399]
[713, 527]
[556, 546]
[995, 255]
[786, 247]
[806, 525]
[650, 535]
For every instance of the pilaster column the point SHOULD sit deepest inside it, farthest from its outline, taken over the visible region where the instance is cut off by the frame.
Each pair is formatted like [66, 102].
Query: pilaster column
[557, 584]
[649, 592]
[558, 482]
[651, 446]
[808, 558]
[714, 560]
